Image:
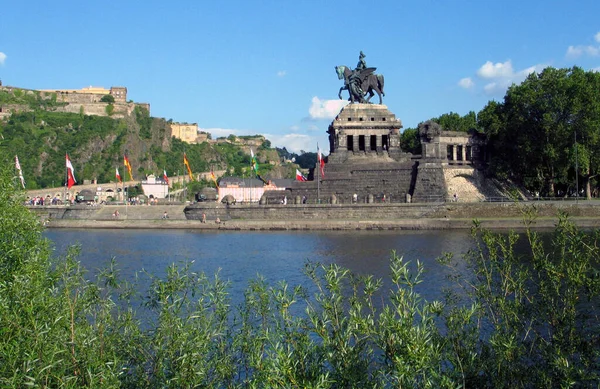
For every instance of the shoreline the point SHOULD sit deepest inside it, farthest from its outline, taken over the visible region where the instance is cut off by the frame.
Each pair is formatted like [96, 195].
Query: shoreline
[443, 216]
[319, 225]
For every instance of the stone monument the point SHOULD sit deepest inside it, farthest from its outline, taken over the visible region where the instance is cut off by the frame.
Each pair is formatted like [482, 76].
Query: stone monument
[366, 163]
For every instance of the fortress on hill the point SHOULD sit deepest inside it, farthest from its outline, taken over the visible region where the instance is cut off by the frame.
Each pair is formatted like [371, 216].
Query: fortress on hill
[88, 100]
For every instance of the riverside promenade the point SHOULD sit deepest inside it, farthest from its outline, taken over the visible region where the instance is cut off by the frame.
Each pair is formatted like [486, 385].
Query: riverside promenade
[440, 216]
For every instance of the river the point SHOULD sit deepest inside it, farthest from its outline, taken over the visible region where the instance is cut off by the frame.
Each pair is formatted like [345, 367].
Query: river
[241, 256]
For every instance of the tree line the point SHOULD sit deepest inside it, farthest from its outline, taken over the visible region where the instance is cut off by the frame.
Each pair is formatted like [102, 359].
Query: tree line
[544, 134]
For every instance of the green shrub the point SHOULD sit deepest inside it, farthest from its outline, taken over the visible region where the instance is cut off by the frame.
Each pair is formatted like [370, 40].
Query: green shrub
[110, 109]
[107, 99]
[525, 321]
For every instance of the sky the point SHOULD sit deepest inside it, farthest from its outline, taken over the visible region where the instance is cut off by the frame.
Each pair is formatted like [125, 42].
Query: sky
[267, 67]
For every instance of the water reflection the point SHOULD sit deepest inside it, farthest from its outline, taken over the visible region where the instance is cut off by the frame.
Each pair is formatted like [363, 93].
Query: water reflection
[241, 256]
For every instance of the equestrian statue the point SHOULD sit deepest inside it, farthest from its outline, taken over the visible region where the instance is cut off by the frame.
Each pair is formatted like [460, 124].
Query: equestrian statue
[360, 82]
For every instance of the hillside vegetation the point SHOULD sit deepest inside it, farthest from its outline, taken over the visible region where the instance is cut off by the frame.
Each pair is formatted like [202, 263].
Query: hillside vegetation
[97, 144]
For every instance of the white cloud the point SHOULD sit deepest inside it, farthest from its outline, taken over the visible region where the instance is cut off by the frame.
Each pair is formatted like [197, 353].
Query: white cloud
[2, 58]
[293, 142]
[527, 71]
[281, 73]
[223, 132]
[466, 83]
[577, 51]
[325, 109]
[597, 70]
[503, 75]
[494, 88]
[495, 70]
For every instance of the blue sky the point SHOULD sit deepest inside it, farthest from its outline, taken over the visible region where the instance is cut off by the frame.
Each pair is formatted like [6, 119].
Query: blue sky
[267, 67]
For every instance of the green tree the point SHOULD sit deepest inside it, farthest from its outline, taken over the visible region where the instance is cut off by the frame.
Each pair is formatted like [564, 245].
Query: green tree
[454, 122]
[410, 141]
[532, 133]
[107, 99]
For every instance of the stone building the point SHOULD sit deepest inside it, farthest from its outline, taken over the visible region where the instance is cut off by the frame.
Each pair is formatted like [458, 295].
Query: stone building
[451, 147]
[155, 187]
[249, 190]
[187, 132]
[365, 130]
[366, 163]
[90, 94]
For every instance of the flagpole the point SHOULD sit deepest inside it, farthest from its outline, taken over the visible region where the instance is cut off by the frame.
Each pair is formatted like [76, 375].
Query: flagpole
[318, 167]
[318, 183]
[66, 180]
[123, 193]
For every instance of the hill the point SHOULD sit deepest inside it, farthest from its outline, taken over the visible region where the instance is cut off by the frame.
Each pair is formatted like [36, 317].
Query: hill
[32, 128]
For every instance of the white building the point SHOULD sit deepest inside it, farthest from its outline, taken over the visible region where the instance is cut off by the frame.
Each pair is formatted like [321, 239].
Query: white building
[155, 188]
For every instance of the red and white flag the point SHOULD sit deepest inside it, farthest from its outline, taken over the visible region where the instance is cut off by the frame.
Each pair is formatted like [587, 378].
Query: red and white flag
[300, 176]
[320, 161]
[118, 175]
[18, 166]
[165, 176]
[70, 173]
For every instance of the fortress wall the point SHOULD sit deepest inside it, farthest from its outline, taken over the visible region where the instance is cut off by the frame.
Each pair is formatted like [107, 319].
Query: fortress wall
[98, 109]
[78, 98]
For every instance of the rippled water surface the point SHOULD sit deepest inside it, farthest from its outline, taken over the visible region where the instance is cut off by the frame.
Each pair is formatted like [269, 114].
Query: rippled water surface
[240, 256]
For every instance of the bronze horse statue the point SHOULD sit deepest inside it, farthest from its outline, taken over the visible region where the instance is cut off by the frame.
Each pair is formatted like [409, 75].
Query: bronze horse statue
[359, 83]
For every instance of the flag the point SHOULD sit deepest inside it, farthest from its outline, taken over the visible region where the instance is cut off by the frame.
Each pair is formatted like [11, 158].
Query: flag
[320, 161]
[300, 176]
[18, 166]
[70, 173]
[165, 176]
[262, 179]
[214, 178]
[253, 162]
[128, 166]
[187, 165]
[118, 175]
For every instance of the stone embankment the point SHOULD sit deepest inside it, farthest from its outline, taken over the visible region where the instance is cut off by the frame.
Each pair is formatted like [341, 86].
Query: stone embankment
[319, 217]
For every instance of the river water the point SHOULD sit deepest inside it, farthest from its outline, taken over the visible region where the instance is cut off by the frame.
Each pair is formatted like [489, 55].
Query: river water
[241, 256]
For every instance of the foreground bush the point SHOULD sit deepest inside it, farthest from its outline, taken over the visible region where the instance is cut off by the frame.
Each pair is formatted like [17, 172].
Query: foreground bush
[518, 322]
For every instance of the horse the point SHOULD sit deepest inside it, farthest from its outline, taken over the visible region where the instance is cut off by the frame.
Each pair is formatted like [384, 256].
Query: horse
[371, 83]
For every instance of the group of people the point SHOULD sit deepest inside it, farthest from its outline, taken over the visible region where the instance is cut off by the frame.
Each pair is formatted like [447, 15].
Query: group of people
[40, 200]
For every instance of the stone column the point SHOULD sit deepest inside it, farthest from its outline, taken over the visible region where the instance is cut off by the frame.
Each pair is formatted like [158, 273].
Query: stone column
[454, 152]
[464, 153]
[355, 141]
[378, 144]
[342, 141]
[367, 143]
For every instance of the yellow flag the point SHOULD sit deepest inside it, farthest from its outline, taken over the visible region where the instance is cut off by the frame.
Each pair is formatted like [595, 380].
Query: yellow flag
[214, 178]
[187, 165]
[128, 166]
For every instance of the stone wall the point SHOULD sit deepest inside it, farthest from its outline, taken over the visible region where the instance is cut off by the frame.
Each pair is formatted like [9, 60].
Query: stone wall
[388, 211]
[120, 110]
